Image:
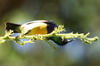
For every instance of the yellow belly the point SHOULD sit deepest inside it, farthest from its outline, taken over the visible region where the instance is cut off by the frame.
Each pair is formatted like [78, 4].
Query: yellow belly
[38, 30]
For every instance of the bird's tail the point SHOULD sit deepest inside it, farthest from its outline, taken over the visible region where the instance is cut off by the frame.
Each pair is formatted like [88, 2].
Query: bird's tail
[12, 26]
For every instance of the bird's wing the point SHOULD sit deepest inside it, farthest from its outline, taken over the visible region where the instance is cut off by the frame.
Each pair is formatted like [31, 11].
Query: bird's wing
[28, 27]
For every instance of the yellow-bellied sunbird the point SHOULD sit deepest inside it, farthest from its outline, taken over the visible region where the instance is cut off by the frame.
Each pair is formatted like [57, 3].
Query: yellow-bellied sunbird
[37, 27]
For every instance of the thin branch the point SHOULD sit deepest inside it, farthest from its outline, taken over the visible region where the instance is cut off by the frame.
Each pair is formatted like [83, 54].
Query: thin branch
[56, 32]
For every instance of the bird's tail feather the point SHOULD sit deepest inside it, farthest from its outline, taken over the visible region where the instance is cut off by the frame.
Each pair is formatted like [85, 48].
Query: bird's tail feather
[12, 26]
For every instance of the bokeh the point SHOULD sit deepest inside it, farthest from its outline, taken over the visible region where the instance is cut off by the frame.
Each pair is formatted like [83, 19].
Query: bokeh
[80, 16]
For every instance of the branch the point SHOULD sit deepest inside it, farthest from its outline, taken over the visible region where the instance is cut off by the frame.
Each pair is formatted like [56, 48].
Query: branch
[56, 32]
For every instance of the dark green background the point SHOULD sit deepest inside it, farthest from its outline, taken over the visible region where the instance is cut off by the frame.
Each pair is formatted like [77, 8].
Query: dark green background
[76, 15]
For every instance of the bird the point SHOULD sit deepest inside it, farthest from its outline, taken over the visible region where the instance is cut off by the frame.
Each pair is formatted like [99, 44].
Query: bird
[37, 27]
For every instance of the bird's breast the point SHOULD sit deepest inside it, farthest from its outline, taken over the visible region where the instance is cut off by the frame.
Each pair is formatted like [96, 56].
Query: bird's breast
[41, 29]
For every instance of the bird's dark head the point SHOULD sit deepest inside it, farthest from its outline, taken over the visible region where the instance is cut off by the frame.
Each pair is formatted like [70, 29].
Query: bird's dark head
[65, 41]
[59, 41]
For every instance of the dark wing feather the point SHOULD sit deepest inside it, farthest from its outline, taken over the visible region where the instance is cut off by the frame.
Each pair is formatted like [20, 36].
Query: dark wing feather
[50, 26]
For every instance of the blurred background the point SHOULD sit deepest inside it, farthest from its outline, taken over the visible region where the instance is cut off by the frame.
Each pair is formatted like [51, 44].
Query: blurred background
[76, 15]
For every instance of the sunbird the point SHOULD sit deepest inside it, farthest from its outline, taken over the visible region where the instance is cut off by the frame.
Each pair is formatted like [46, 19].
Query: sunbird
[37, 27]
